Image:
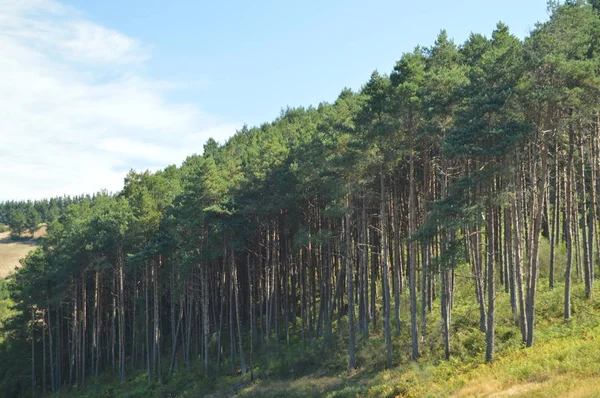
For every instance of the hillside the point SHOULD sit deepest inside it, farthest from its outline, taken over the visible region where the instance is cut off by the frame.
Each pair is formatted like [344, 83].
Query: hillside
[12, 251]
[434, 233]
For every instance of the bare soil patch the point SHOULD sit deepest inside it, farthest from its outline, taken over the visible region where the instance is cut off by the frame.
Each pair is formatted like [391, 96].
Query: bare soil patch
[518, 390]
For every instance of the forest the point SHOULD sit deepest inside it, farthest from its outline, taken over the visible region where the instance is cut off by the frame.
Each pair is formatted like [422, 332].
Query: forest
[333, 224]
[21, 215]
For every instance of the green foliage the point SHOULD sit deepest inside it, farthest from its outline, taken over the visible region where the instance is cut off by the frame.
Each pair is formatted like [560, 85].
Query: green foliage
[17, 222]
[48, 210]
[5, 305]
[33, 219]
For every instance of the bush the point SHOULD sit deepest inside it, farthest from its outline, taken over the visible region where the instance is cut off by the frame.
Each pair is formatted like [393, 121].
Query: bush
[4, 228]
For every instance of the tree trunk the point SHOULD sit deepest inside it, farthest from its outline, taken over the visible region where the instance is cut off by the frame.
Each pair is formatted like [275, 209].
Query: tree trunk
[50, 341]
[237, 313]
[412, 228]
[205, 323]
[518, 250]
[537, 210]
[348, 263]
[587, 263]
[555, 218]
[251, 307]
[397, 272]
[385, 272]
[491, 291]
[569, 226]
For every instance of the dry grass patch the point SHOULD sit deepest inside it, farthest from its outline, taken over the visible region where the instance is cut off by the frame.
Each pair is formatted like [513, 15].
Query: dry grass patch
[307, 386]
[40, 232]
[12, 251]
[518, 390]
[584, 388]
[480, 389]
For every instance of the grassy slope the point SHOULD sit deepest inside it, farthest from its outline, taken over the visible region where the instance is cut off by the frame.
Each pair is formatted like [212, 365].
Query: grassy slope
[12, 251]
[10, 254]
[565, 361]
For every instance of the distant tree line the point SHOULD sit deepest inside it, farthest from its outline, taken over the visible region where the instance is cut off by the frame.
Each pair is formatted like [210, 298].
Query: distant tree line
[320, 223]
[22, 215]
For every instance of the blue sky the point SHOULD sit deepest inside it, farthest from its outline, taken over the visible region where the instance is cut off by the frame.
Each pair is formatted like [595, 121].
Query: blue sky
[105, 86]
[256, 57]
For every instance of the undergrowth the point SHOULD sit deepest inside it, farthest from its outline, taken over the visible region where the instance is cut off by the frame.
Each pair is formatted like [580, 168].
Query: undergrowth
[565, 360]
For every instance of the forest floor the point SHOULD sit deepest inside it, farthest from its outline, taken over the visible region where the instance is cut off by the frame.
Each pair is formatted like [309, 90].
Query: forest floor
[564, 361]
[12, 251]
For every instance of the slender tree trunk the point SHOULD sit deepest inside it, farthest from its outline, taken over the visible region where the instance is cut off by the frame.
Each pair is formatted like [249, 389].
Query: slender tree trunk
[412, 251]
[537, 210]
[397, 272]
[157, 348]
[475, 255]
[221, 317]
[373, 244]
[385, 272]
[237, 313]
[175, 341]
[146, 324]
[83, 327]
[348, 263]
[446, 271]
[517, 213]
[50, 341]
[568, 227]
[556, 215]
[425, 263]
[43, 353]
[592, 210]
[587, 263]
[134, 330]
[364, 268]
[510, 257]
[491, 290]
[251, 307]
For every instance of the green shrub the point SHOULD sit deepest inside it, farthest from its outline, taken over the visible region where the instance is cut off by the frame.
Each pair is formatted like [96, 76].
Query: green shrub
[560, 260]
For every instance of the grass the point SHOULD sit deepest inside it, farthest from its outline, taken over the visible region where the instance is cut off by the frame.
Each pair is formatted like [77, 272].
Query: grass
[12, 251]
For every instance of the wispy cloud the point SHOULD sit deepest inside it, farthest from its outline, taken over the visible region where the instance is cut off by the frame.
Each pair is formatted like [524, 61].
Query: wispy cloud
[75, 110]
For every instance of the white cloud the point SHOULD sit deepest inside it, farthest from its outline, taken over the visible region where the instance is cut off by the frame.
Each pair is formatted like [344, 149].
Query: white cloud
[67, 128]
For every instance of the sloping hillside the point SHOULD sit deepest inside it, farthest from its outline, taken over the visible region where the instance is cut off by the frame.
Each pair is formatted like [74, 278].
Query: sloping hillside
[12, 251]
